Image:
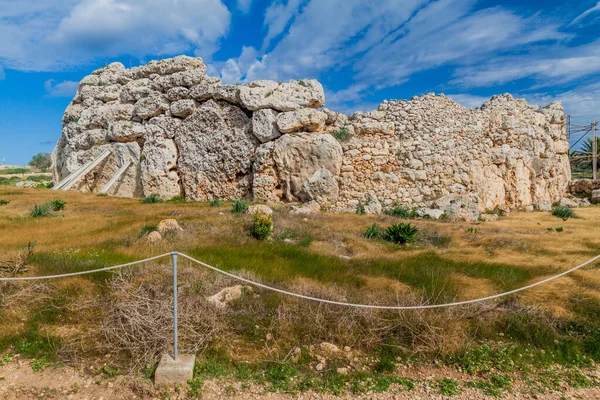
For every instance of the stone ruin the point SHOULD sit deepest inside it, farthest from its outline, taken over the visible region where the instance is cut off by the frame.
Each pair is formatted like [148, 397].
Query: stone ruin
[189, 135]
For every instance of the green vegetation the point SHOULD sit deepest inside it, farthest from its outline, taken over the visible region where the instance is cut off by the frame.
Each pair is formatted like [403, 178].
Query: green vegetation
[401, 211]
[152, 199]
[401, 233]
[239, 207]
[4, 202]
[177, 200]
[57, 205]
[559, 229]
[494, 386]
[448, 387]
[342, 135]
[146, 229]
[14, 171]
[40, 211]
[360, 208]
[41, 161]
[373, 232]
[563, 212]
[214, 203]
[262, 226]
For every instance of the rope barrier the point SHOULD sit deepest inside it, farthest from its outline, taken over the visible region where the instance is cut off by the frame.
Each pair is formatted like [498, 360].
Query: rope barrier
[301, 296]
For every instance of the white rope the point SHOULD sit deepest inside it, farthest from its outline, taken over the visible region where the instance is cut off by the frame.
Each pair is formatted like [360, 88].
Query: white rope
[341, 303]
[91, 271]
[301, 296]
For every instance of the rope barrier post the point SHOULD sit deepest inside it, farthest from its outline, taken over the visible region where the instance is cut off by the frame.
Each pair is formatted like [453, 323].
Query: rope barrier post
[175, 349]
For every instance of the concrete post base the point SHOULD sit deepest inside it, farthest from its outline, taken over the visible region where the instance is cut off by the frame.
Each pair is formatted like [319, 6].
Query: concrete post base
[171, 373]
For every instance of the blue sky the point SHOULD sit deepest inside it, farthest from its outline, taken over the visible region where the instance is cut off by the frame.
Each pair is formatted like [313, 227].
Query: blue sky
[363, 51]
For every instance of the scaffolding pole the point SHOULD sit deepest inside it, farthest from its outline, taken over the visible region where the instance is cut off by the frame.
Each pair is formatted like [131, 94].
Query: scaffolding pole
[594, 152]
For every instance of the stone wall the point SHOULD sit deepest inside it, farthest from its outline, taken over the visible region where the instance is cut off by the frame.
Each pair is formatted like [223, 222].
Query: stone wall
[191, 136]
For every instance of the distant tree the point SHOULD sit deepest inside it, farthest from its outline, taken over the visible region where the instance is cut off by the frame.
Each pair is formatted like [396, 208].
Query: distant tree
[583, 156]
[41, 161]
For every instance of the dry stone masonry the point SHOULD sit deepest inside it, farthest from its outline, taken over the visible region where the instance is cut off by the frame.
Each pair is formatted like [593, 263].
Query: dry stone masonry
[189, 135]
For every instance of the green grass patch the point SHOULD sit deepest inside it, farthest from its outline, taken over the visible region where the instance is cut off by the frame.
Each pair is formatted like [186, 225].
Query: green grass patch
[4, 202]
[39, 211]
[239, 207]
[152, 199]
[447, 387]
[563, 212]
[10, 171]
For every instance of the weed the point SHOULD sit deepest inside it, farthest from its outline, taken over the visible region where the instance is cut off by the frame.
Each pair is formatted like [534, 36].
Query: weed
[39, 364]
[448, 387]
[146, 229]
[342, 135]
[57, 205]
[110, 372]
[40, 211]
[559, 229]
[149, 370]
[262, 226]
[196, 385]
[239, 206]
[373, 232]
[401, 211]
[578, 380]
[550, 229]
[279, 376]
[4, 202]
[306, 241]
[494, 386]
[401, 233]
[152, 199]
[303, 83]
[473, 231]
[102, 195]
[563, 212]
[214, 203]
[177, 200]
[360, 209]
[387, 359]
[5, 360]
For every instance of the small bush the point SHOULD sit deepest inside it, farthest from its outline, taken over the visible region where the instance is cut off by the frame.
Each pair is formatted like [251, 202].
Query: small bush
[448, 387]
[239, 206]
[360, 209]
[401, 211]
[306, 240]
[214, 203]
[152, 199]
[342, 135]
[559, 229]
[40, 211]
[401, 233]
[262, 226]
[563, 212]
[373, 232]
[4, 202]
[57, 205]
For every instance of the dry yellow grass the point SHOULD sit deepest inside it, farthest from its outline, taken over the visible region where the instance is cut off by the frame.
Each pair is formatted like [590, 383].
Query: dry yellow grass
[92, 224]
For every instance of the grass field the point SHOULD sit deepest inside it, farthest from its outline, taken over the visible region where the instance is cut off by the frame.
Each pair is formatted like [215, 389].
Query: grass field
[325, 255]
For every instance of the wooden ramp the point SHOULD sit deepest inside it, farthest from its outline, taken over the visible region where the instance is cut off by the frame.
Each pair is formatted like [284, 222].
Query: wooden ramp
[115, 178]
[72, 178]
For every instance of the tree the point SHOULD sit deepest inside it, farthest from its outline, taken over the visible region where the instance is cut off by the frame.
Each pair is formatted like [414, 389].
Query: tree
[41, 161]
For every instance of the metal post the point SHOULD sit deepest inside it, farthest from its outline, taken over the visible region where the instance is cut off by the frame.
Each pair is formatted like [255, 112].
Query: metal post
[569, 129]
[175, 349]
[594, 152]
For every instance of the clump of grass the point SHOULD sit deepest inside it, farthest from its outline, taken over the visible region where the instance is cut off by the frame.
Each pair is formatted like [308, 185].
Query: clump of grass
[473, 231]
[360, 209]
[342, 135]
[57, 205]
[214, 203]
[373, 232]
[563, 212]
[494, 386]
[146, 229]
[239, 206]
[4, 202]
[262, 226]
[401, 233]
[401, 211]
[177, 199]
[152, 199]
[559, 229]
[40, 211]
[102, 195]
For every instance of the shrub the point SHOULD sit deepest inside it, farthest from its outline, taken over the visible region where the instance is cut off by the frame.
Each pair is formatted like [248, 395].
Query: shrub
[239, 206]
[342, 135]
[40, 211]
[152, 199]
[401, 211]
[563, 212]
[4, 202]
[360, 208]
[373, 232]
[401, 233]
[262, 226]
[559, 229]
[41, 160]
[214, 203]
[57, 205]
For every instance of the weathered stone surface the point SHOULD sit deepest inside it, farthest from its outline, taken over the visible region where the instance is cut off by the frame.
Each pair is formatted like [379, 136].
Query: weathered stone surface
[430, 213]
[309, 208]
[264, 125]
[216, 146]
[457, 206]
[567, 202]
[154, 237]
[299, 156]
[169, 225]
[190, 135]
[289, 96]
[227, 295]
[305, 120]
[595, 197]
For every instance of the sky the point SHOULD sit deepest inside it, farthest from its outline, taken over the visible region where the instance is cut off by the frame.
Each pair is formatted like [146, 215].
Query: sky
[363, 51]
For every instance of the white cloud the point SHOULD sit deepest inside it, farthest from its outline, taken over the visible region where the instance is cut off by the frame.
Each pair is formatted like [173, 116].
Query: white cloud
[244, 5]
[583, 102]
[586, 13]
[468, 100]
[52, 34]
[277, 17]
[2, 74]
[61, 89]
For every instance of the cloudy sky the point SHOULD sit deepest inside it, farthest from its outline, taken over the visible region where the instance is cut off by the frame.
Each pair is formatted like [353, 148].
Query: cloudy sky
[363, 51]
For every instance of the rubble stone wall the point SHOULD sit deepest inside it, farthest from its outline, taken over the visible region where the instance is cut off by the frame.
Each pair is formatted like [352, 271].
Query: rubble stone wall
[189, 135]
